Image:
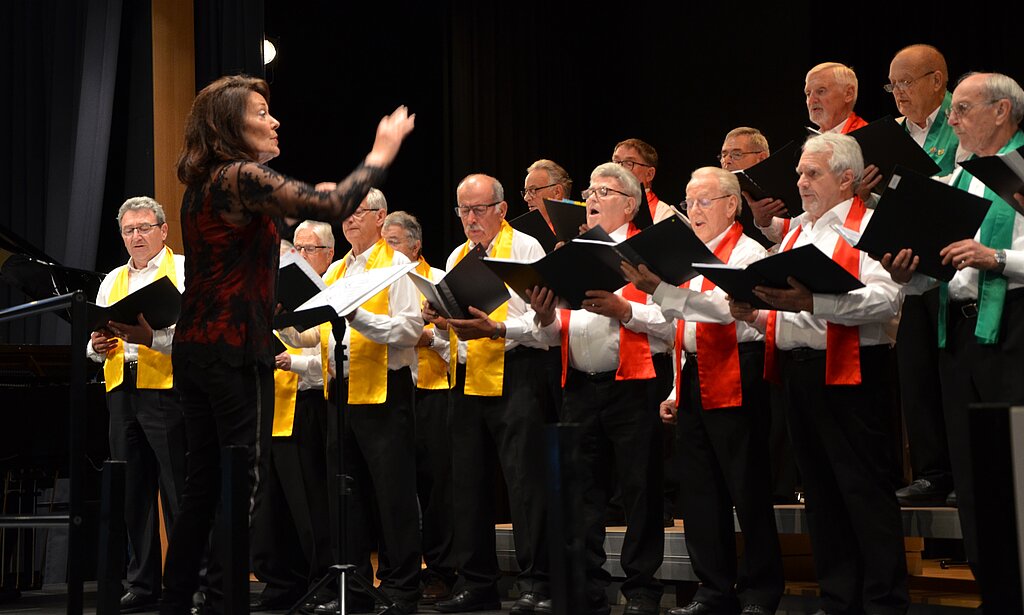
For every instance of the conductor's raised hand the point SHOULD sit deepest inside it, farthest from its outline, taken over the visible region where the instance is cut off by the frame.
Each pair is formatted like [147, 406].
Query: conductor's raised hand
[390, 133]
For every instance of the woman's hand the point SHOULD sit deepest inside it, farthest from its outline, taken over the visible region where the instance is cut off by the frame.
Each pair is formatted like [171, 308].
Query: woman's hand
[390, 133]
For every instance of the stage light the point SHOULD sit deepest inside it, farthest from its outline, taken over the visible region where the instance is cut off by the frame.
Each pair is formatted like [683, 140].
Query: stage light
[269, 52]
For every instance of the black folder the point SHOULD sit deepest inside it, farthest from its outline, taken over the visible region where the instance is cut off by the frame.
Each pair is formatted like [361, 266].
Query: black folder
[294, 286]
[569, 271]
[469, 284]
[922, 214]
[809, 265]
[159, 301]
[775, 177]
[669, 249]
[567, 217]
[532, 223]
[1002, 173]
[886, 144]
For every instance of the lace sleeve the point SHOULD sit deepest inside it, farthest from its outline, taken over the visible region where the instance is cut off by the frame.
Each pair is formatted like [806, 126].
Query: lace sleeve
[260, 189]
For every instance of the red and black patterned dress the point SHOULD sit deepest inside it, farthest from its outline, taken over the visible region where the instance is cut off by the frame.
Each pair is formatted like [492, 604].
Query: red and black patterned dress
[230, 230]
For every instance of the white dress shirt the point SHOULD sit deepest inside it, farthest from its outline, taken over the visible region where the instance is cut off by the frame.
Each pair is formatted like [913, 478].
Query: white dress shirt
[875, 308]
[137, 278]
[400, 328]
[693, 306]
[520, 328]
[309, 366]
[594, 339]
[964, 285]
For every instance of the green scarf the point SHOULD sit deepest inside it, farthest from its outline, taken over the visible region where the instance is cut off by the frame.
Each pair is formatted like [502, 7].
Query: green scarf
[941, 142]
[996, 232]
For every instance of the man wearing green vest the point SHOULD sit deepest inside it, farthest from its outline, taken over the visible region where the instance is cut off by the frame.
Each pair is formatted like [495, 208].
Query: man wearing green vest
[917, 81]
[981, 313]
[146, 429]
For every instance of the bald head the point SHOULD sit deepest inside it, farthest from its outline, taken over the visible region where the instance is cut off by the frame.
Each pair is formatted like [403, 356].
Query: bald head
[918, 78]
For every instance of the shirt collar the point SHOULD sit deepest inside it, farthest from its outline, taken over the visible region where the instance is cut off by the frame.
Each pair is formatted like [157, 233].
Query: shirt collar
[152, 264]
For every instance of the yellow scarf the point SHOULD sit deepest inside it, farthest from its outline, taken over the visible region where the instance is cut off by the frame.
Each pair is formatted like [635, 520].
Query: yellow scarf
[431, 370]
[485, 358]
[154, 367]
[286, 387]
[367, 361]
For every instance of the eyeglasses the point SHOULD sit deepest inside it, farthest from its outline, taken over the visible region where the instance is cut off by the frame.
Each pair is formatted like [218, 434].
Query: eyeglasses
[702, 203]
[477, 210]
[359, 213]
[529, 193]
[904, 84]
[313, 249]
[961, 109]
[735, 154]
[601, 192]
[143, 229]
[629, 164]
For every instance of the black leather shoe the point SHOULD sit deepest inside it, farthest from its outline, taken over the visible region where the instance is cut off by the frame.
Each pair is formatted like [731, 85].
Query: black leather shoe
[922, 492]
[134, 603]
[756, 609]
[470, 600]
[951, 499]
[531, 602]
[354, 606]
[694, 608]
[641, 605]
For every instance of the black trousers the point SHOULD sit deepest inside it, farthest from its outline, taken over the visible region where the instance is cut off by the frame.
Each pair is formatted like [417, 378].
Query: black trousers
[147, 431]
[620, 436]
[291, 543]
[842, 441]
[723, 462]
[380, 456]
[224, 405]
[512, 426]
[973, 373]
[917, 354]
[434, 481]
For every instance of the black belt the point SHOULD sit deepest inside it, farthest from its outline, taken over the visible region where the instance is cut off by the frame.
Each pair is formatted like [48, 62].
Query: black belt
[968, 308]
[744, 348]
[597, 376]
[812, 354]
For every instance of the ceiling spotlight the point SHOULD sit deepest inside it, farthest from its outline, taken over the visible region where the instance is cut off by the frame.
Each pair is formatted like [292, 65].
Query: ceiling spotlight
[269, 52]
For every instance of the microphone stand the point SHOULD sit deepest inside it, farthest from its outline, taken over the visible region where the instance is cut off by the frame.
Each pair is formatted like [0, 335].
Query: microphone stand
[344, 570]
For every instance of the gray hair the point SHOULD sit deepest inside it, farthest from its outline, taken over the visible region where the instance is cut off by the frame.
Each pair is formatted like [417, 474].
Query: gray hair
[406, 221]
[757, 139]
[375, 200]
[556, 174]
[322, 230]
[497, 192]
[138, 203]
[844, 153]
[627, 180]
[842, 73]
[997, 86]
[727, 183]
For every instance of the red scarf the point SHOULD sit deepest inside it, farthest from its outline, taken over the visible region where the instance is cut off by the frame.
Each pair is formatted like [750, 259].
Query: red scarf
[853, 122]
[635, 362]
[652, 202]
[842, 343]
[718, 370]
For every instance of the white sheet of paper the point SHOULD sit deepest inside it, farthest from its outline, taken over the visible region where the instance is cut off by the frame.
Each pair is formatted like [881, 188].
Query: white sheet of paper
[350, 292]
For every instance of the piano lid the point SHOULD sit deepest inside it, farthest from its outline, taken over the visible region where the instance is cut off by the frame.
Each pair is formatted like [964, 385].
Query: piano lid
[39, 276]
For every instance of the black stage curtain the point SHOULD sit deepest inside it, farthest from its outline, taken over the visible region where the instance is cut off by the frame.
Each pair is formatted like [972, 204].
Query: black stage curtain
[60, 74]
[228, 39]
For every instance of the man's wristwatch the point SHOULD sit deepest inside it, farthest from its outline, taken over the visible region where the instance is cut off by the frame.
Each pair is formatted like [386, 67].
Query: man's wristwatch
[1000, 261]
[497, 331]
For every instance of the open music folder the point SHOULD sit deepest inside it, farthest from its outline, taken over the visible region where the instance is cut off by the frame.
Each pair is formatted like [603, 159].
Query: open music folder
[922, 214]
[470, 283]
[159, 302]
[1002, 173]
[807, 264]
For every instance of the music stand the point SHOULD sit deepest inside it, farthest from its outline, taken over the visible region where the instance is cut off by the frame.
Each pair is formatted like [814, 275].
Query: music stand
[343, 570]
